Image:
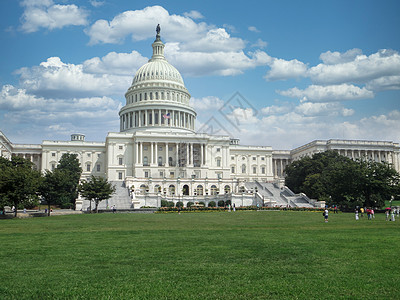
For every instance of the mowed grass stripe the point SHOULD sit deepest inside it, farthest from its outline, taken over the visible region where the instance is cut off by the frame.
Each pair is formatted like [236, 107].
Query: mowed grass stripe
[285, 255]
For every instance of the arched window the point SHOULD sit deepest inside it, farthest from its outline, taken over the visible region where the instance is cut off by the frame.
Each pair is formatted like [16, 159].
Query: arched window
[214, 190]
[145, 161]
[143, 189]
[227, 189]
[199, 190]
[171, 190]
[160, 162]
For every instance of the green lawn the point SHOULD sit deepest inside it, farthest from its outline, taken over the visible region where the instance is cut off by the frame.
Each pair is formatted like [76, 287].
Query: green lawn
[221, 255]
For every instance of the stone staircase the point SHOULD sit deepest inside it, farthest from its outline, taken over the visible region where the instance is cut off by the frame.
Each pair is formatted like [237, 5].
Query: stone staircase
[275, 196]
[121, 199]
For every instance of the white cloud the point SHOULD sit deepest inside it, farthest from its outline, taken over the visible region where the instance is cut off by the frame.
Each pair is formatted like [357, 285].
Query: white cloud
[243, 116]
[323, 109]
[56, 116]
[214, 63]
[276, 109]
[56, 79]
[97, 3]
[283, 69]
[334, 58]
[193, 14]
[206, 103]
[317, 93]
[384, 83]
[253, 29]
[141, 24]
[46, 14]
[359, 70]
[115, 63]
[260, 44]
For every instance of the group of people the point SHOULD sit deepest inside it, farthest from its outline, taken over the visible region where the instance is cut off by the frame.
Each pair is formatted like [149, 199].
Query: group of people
[369, 211]
[393, 212]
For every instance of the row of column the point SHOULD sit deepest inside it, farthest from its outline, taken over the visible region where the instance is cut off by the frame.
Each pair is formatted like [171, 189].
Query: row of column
[379, 155]
[188, 158]
[279, 166]
[156, 117]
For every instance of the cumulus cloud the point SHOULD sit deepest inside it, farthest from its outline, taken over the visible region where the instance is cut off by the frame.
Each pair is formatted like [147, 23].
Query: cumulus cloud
[34, 113]
[206, 103]
[284, 69]
[140, 25]
[384, 83]
[360, 69]
[323, 109]
[259, 44]
[318, 93]
[253, 29]
[193, 14]
[214, 63]
[97, 3]
[46, 14]
[115, 63]
[54, 78]
[334, 58]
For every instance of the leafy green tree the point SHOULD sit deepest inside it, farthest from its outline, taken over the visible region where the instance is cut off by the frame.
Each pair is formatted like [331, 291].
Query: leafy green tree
[96, 189]
[70, 167]
[54, 188]
[18, 182]
[340, 180]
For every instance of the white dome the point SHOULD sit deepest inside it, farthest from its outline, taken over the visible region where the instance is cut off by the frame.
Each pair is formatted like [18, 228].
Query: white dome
[158, 69]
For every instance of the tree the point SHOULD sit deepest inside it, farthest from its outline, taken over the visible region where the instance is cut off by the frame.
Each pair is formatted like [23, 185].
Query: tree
[70, 167]
[54, 188]
[18, 182]
[96, 189]
[342, 181]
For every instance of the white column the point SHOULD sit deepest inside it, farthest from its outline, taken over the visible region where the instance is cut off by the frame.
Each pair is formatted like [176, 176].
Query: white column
[166, 155]
[191, 154]
[151, 153]
[141, 153]
[206, 154]
[139, 118]
[281, 168]
[137, 152]
[152, 118]
[187, 154]
[176, 154]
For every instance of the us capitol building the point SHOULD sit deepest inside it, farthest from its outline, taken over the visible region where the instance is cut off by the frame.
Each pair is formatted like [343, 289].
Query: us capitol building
[157, 155]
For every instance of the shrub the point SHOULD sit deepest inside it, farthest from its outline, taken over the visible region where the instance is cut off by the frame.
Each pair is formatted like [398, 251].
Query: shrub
[164, 203]
[179, 204]
[211, 204]
[221, 203]
[189, 204]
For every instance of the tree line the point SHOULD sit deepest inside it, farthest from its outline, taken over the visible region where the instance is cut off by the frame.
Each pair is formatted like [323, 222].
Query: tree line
[339, 180]
[22, 186]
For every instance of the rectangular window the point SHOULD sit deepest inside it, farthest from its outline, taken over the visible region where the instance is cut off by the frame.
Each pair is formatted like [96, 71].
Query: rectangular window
[146, 174]
[98, 155]
[88, 154]
[161, 174]
[159, 148]
[254, 158]
[218, 162]
[254, 170]
[88, 167]
[262, 158]
[232, 169]
[53, 167]
[120, 175]
[53, 154]
[145, 148]
[169, 148]
[218, 149]
[120, 147]
[171, 174]
[98, 168]
[263, 170]
[120, 162]
[232, 158]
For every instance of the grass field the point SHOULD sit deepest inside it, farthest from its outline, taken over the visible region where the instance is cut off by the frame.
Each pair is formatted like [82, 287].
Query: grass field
[241, 255]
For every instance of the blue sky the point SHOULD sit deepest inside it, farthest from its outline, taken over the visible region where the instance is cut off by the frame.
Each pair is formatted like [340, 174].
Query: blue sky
[304, 70]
